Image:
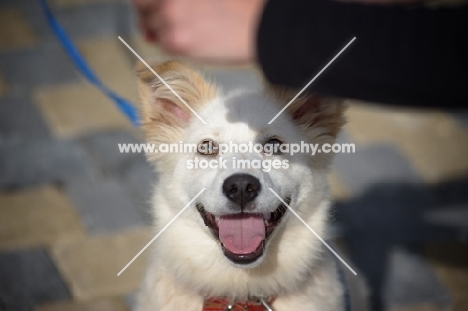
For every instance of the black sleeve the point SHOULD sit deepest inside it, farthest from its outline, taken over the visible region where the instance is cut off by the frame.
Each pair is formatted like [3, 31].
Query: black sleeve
[412, 56]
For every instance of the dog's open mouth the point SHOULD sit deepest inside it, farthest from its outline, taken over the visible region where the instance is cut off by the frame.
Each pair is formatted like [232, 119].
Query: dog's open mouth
[243, 235]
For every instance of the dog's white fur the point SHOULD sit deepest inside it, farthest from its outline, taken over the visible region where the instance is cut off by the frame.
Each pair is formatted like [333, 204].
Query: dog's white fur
[186, 261]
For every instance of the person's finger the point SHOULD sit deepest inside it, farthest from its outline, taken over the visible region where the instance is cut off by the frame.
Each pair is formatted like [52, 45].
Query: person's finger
[171, 12]
[174, 38]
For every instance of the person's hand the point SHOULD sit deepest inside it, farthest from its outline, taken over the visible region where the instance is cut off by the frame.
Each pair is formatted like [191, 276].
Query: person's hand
[214, 30]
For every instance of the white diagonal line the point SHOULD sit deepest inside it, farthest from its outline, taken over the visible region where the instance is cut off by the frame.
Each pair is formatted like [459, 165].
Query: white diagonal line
[160, 232]
[313, 79]
[164, 82]
[313, 231]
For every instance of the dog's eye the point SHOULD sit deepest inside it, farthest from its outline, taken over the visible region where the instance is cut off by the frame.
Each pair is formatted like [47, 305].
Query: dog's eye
[207, 147]
[272, 146]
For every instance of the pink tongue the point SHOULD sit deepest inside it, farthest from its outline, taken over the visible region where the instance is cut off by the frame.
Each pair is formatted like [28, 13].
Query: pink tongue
[242, 233]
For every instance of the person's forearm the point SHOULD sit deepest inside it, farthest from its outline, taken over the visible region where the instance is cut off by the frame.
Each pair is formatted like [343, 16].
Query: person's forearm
[415, 56]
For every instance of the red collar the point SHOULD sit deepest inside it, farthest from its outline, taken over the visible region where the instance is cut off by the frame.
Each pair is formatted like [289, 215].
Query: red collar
[221, 304]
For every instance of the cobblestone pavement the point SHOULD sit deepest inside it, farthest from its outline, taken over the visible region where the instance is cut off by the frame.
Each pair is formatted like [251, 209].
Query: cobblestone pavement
[73, 210]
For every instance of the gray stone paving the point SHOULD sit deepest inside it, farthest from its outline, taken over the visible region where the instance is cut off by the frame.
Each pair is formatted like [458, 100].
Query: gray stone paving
[462, 118]
[105, 206]
[132, 169]
[38, 161]
[28, 278]
[141, 181]
[47, 64]
[373, 164]
[409, 280]
[20, 120]
[103, 147]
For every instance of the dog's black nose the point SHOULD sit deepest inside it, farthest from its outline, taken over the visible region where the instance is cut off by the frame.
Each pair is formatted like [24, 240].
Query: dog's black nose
[241, 188]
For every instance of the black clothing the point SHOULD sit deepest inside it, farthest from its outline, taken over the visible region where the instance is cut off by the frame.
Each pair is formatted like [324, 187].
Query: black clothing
[404, 55]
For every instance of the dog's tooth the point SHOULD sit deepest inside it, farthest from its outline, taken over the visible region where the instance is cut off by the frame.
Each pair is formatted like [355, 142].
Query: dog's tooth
[216, 219]
[267, 216]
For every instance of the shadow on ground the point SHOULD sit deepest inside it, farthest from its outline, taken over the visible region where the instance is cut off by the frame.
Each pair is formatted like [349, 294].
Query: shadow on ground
[388, 228]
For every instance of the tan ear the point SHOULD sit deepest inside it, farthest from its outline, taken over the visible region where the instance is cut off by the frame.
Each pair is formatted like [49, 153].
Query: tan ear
[317, 116]
[163, 114]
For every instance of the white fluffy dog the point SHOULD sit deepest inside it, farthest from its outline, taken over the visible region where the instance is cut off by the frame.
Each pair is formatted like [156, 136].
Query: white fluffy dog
[237, 246]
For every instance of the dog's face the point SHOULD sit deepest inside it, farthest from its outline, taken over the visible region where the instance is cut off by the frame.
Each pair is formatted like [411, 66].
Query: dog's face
[237, 209]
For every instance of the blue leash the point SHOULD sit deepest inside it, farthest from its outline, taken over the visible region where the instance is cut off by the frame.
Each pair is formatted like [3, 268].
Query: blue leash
[80, 63]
